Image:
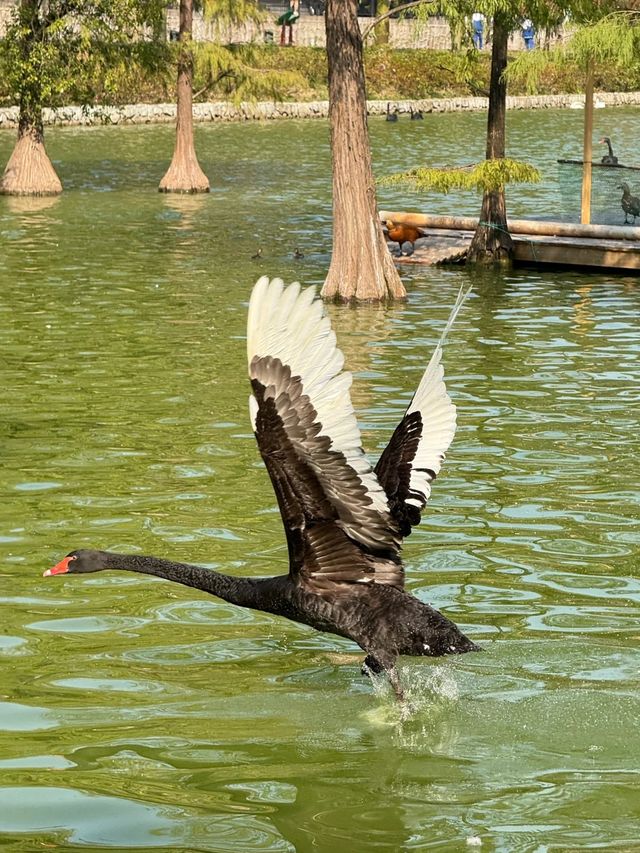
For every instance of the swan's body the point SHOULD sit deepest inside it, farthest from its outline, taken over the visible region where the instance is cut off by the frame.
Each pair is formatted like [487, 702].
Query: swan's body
[391, 116]
[629, 203]
[344, 520]
[609, 159]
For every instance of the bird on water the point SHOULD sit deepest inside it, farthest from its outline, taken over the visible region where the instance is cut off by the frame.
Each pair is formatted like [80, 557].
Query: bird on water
[630, 203]
[609, 159]
[344, 520]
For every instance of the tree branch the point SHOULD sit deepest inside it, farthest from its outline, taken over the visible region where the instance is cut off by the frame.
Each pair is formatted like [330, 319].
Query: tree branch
[391, 12]
[474, 88]
[211, 83]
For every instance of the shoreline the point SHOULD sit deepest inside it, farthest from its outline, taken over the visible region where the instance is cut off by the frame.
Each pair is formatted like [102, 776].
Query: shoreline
[136, 114]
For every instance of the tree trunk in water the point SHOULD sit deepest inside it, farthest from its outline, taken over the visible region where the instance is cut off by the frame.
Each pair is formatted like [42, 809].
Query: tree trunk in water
[29, 170]
[361, 265]
[184, 175]
[492, 242]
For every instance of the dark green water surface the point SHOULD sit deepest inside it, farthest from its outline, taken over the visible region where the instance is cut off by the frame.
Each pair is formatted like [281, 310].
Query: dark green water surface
[135, 714]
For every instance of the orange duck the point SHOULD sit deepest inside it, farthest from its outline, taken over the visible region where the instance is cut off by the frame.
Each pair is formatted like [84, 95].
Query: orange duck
[402, 234]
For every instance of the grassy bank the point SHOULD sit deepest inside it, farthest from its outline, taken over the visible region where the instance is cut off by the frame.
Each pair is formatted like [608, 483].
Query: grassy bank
[405, 74]
[302, 73]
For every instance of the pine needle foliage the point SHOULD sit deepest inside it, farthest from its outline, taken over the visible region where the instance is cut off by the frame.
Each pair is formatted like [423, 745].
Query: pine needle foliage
[487, 175]
[234, 73]
[225, 13]
[612, 40]
[529, 67]
[231, 71]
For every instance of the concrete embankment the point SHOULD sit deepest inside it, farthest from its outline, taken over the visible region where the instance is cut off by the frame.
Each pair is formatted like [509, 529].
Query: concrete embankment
[265, 111]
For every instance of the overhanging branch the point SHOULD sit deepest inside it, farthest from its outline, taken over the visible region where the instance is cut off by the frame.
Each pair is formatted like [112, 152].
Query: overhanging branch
[393, 11]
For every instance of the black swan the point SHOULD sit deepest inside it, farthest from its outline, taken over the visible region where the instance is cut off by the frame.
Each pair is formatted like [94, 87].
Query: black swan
[391, 116]
[629, 203]
[416, 115]
[608, 159]
[344, 520]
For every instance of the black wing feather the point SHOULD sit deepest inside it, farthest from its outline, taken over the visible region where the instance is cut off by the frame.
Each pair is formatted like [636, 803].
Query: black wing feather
[394, 468]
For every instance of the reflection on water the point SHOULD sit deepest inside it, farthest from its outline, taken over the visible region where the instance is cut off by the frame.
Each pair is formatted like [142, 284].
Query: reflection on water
[29, 205]
[151, 716]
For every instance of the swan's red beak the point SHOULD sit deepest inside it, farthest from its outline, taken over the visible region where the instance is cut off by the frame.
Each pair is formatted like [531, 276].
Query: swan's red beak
[59, 569]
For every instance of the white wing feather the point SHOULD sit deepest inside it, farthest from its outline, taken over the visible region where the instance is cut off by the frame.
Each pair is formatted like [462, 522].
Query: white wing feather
[438, 415]
[286, 323]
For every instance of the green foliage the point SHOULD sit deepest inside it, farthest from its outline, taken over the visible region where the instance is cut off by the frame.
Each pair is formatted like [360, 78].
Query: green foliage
[308, 63]
[144, 72]
[229, 12]
[48, 48]
[91, 51]
[231, 71]
[545, 15]
[542, 13]
[529, 66]
[614, 38]
[424, 74]
[235, 74]
[613, 42]
[487, 175]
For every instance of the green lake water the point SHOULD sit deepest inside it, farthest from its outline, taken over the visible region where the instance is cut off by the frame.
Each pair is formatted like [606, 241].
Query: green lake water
[139, 715]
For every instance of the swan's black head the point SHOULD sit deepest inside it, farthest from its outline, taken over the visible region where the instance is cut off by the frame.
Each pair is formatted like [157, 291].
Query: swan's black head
[604, 141]
[83, 560]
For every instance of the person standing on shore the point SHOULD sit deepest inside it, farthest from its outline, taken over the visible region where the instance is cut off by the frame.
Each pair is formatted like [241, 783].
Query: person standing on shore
[477, 25]
[528, 34]
[287, 20]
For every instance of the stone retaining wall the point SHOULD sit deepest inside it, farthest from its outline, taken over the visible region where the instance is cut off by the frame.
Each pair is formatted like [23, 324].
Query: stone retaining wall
[224, 111]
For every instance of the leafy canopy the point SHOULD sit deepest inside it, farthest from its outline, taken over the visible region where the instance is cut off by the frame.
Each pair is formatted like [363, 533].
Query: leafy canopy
[49, 46]
[614, 38]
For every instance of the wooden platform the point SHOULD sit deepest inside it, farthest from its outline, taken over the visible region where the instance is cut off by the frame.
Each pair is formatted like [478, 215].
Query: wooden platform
[602, 165]
[566, 244]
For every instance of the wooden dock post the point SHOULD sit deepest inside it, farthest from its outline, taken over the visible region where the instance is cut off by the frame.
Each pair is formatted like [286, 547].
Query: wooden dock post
[585, 208]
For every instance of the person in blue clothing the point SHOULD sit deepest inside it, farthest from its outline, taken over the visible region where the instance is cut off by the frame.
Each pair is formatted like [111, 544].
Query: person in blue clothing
[528, 34]
[477, 26]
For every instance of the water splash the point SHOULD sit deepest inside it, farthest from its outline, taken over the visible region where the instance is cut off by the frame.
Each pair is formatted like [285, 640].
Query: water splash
[429, 692]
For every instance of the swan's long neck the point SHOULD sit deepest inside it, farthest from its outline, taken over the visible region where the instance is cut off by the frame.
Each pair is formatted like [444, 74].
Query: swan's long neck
[241, 591]
[608, 141]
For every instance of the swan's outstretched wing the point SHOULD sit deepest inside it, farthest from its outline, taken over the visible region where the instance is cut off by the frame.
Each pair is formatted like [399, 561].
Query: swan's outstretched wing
[414, 456]
[335, 512]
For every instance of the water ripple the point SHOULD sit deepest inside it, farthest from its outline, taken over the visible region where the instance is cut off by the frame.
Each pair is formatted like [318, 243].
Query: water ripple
[136, 713]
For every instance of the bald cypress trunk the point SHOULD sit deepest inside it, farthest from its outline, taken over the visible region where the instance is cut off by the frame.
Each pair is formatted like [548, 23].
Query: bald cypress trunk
[361, 266]
[29, 170]
[184, 175]
[492, 242]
